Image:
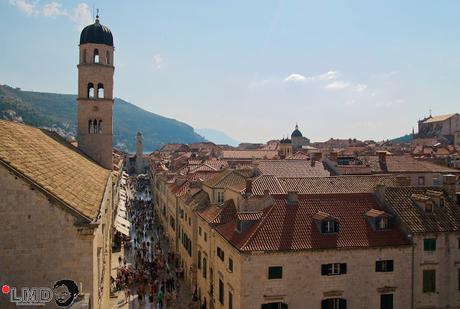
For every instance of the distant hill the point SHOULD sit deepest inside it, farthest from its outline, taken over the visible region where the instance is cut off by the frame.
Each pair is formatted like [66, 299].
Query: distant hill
[58, 111]
[403, 139]
[217, 137]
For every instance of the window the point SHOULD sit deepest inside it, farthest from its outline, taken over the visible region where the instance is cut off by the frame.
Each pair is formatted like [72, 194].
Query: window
[204, 267]
[199, 230]
[333, 269]
[99, 127]
[458, 279]
[90, 93]
[230, 300]
[96, 56]
[458, 243]
[428, 207]
[429, 281]
[205, 236]
[199, 260]
[220, 253]
[384, 266]
[100, 91]
[386, 301]
[220, 197]
[90, 126]
[107, 57]
[421, 180]
[383, 223]
[84, 56]
[429, 244]
[221, 292]
[334, 303]
[230, 265]
[275, 272]
[329, 226]
[172, 223]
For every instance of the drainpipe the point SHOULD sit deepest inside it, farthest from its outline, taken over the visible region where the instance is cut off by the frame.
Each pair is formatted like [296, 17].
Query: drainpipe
[412, 275]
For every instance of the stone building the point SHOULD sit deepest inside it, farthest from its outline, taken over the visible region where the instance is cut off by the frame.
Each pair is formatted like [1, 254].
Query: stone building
[439, 126]
[139, 165]
[56, 214]
[57, 201]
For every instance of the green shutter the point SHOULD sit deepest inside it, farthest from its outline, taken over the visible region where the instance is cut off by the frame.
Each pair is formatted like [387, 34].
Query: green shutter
[429, 281]
[429, 244]
[275, 272]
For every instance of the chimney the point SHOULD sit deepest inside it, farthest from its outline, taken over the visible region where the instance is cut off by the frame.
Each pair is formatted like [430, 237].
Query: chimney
[382, 157]
[333, 156]
[403, 181]
[317, 156]
[380, 192]
[449, 185]
[248, 186]
[292, 198]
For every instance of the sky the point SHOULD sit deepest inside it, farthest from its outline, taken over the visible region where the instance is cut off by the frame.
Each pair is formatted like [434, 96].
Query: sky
[253, 69]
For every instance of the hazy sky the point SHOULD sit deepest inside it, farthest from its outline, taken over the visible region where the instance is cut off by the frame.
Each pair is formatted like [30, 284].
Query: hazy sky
[360, 69]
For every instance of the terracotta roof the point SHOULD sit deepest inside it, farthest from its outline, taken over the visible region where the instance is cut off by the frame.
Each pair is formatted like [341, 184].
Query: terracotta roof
[226, 214]
[260, 184]
[405, 164]
[439, 118]
[292, 227]
[54, 165]
[210, 213]
[249, 154]
[299, 155]
[292, 168]
[442, 219]
[249, 215]
[228, 178]
[337, 184]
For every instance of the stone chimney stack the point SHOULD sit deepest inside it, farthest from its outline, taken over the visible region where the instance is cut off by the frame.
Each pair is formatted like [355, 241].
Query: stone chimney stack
[382, 157]
[403, 181]
[292, 198]
[450, 185]
[380, 192]
[248, 190]
[333, 156]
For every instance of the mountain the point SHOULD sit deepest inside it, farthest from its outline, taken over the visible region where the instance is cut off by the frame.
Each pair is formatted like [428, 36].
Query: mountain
[217, 137]
[403, 139]
[58, 112]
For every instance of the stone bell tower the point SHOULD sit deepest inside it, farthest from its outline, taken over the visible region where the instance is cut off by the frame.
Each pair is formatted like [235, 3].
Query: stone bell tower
[139, 153]
[95, 93]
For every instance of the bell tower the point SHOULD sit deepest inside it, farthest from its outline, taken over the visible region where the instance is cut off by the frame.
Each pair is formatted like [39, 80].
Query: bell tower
[95, 93]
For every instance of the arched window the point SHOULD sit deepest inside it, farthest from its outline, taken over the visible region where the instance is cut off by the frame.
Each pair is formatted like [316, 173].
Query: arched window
[100, 91]
[90, 124]
[96, 56]
[84, 56]
[334, 303]
[107, 57]
[95, 126]
[99, 127]
[90, 91]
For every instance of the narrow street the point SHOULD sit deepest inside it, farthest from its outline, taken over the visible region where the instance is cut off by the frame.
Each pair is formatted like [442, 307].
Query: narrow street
[144, 272]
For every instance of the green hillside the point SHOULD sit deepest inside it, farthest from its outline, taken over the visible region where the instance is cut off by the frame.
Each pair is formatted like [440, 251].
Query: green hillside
[59, 111]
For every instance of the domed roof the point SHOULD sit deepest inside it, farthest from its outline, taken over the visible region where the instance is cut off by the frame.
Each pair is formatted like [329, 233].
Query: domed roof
[97, 34]
[296, 132]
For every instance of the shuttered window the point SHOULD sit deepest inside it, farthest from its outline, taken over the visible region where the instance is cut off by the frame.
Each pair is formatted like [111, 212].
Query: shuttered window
[275, 272]
[429, 281]
[334, 303]
[429, 244]
[386, 301]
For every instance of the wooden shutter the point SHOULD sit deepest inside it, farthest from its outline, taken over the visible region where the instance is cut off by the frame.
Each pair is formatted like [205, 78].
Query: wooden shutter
[336, 226]
[343, 268]
[324, 269]
[390, 265]
[342, 303]
[378, 266]
[284, 306]
[324, 304]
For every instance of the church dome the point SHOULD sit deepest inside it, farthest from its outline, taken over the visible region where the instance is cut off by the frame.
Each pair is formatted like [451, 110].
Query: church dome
[96, 34]
[285, 141]
[296, 132]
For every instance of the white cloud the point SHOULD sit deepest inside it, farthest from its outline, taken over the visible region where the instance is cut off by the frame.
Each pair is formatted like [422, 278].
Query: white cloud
[330, 75]
[81, 15]
[28, 7]
[295, 78]
[158, 61]
[53, 9]
[360, 87]
[337, 85]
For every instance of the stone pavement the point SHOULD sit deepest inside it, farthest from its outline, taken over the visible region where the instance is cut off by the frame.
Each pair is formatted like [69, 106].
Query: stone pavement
[184, 296]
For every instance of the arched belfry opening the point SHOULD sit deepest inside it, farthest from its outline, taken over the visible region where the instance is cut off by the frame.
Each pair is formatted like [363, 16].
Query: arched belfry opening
[96, 56]
[100, 91]
[90, 93]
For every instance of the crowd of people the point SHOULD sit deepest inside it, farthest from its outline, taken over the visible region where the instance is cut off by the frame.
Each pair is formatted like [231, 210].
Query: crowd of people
[147, 271]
